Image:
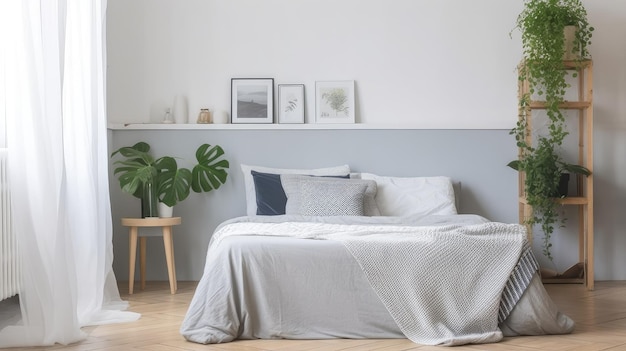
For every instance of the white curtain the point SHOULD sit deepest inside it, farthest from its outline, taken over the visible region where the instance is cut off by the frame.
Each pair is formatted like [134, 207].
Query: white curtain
[54, 81]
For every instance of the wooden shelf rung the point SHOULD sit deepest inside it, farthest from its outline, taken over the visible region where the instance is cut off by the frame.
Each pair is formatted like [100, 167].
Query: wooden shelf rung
[568, 105]
[570, 200]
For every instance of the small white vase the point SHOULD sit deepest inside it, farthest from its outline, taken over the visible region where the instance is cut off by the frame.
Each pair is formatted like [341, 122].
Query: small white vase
[220, 117]
[165, 210]
[180, 110]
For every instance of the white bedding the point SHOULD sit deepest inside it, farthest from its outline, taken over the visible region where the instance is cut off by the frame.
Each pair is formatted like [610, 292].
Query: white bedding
[284, 287]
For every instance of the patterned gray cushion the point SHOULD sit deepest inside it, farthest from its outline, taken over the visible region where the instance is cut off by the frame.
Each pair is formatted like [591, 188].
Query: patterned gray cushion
[312, 196]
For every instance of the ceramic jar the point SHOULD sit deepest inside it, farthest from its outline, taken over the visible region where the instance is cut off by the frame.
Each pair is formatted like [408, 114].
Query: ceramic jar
[204, 117]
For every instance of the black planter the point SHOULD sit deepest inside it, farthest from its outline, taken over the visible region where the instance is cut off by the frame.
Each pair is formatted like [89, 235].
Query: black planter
[149, 201]
[563, 185]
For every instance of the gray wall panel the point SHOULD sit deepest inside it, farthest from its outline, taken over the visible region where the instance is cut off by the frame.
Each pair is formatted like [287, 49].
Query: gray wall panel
[475, 158]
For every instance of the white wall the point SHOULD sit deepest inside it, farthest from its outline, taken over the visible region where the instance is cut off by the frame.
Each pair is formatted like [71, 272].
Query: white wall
[609, 53]
[441, 64]
[432, 64]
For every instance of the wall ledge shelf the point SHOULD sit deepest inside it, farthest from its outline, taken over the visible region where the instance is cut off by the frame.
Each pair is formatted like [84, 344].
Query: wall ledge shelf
[277, 126]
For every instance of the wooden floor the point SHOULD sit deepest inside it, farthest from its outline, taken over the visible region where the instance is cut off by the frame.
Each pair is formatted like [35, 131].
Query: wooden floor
[600, 317]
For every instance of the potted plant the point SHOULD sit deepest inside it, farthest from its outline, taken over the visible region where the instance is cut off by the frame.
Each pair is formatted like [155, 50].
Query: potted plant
[150, 179]
[546, 179]
[542, 24]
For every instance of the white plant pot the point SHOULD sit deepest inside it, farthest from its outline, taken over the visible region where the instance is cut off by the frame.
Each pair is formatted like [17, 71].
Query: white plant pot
[569, 33]
[165, 210]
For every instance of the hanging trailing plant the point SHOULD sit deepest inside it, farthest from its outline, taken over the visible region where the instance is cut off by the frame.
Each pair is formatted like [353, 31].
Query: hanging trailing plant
[542, 24]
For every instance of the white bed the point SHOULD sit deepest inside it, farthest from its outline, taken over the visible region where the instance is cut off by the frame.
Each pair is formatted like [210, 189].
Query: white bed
[432, 276]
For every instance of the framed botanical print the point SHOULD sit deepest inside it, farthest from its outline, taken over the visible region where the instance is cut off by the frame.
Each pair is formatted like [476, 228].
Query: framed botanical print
[252, 100]
[334, 102]
[291, 103]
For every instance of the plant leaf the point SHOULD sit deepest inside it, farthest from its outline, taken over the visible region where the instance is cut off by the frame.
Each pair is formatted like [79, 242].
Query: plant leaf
[577, 169]
[514, 164]
[210, 172]
[135, 169]
[173, 183]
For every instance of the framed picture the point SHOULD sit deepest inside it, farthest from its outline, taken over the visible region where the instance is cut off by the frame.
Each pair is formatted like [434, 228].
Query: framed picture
[290, 103]
[334, 102]
[252, 100]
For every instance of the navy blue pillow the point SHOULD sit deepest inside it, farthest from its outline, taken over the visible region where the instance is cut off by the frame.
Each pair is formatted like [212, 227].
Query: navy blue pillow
[270, 196]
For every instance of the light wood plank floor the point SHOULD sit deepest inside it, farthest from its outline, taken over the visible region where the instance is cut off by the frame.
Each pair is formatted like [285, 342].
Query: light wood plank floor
[600, 317]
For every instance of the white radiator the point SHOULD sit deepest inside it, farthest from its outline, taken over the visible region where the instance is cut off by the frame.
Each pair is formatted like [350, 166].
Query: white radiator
[9, 268]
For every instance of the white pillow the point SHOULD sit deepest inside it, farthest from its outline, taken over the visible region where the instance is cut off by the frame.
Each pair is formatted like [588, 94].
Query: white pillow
[406, 196]
[251, 207]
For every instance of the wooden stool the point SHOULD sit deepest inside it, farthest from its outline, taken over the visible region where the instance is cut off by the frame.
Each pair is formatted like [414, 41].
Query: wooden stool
[168, 242]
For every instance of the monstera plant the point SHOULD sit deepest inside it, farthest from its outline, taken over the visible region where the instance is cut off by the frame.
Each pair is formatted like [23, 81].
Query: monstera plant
[149, 178]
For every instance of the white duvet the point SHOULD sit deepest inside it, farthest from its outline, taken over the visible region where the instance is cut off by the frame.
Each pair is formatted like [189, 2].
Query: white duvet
[435, 281]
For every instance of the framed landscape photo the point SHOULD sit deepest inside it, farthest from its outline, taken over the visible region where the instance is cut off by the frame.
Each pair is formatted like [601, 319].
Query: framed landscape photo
[334, 102]
[252, 100]
[290, 103]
